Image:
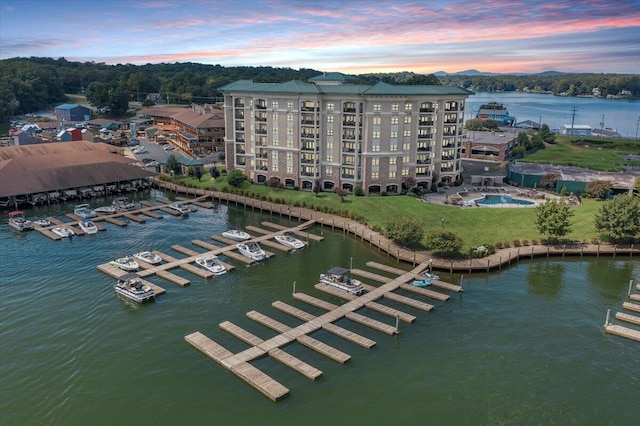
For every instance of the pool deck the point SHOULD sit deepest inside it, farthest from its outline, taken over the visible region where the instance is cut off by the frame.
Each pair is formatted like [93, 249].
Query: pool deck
[463, 196]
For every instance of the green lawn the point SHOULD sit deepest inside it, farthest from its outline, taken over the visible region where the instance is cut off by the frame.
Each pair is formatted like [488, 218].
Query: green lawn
[592, 153]
[476, 226]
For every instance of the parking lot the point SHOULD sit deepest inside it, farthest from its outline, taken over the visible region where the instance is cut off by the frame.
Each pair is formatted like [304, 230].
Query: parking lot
[157, 152]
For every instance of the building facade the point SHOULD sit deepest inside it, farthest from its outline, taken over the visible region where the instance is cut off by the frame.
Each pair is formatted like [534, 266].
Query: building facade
[343, 134]
[72, 112]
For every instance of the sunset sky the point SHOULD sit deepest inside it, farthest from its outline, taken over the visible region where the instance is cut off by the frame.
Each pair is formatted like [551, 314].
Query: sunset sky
[350, 36]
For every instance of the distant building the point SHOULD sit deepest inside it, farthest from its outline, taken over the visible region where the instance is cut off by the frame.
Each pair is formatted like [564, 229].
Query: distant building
[575, 130]
[497, 112]
[70, 134]
[488, 145]
[528, 124]
[72, 112]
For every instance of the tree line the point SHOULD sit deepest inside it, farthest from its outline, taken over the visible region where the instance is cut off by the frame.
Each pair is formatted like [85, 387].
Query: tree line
[31, 84]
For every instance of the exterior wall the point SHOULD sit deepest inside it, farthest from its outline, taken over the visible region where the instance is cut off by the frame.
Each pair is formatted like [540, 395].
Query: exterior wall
[344, 140]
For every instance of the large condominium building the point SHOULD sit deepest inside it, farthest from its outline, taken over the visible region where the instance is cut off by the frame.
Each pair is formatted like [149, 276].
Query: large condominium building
[344, 134]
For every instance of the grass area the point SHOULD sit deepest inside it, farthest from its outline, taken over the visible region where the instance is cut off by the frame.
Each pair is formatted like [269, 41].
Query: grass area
[603, 154]
[475, 226]
[75, 98]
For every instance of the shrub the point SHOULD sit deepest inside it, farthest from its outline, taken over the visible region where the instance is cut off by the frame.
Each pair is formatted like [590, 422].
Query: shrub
[535, 242]
[384, 193]
[595, 241]
[516, 243]
[499, 245]
[357, 191]
[525, 242]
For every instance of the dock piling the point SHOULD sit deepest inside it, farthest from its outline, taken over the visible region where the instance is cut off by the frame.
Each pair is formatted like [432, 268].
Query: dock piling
[397, 323]
[606, 322]
[294, 288]
[630, 285]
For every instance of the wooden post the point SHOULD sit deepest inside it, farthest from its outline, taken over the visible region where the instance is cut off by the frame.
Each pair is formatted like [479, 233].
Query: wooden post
[451, 268]
[294, 288]
[615, 248]
[397, 323]
[488, 265]
[564, 250]
[598, 253]
[500, 263]
[630, 285]
[532, 252]
[470, 263]
[606, 322]
[333, 223]
[414, 259]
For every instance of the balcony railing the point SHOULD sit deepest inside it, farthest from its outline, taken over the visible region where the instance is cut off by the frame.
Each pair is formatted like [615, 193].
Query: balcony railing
[313, 122]
[261, 106]
[349, 137]
[241, 140]
[308, 135]
[261, 131]
[446, 169]
[348, 123]
[424, 149]
[307, 174]
[306, 108]
[422, 136]
[426, 122]
[261, 119]
[427, 109]
[347, 176]
[351, 110]
[310, 148]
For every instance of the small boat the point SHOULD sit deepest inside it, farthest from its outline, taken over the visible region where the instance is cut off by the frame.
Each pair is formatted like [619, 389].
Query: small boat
[54, 196]
[430, 275]
[290, 241]
[131, 287]
[63, 231]
[122, 203]
[252, 251]
[69, 194]
[42, 222]
[339, 278]
[19, 222]
[426, 282]
[236, 235]
[105, 210]
[148, 257]
[86, 192]
[179, 207]
[84, 211]
[126, 263]
[88, 226]
[211, 264]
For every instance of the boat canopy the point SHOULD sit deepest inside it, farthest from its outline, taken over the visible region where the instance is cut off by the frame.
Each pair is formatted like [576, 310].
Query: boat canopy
[16, 213]
[338, 271]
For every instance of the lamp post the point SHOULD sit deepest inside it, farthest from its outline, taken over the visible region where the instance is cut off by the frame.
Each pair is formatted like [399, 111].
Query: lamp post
[430, 265]
[442, 222]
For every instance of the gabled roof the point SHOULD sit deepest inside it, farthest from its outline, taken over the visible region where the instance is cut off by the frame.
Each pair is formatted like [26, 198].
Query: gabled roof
[70, 106]
[194, 119]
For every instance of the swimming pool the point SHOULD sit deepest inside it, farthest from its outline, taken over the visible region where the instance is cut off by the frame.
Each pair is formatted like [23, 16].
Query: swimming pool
[493, 200]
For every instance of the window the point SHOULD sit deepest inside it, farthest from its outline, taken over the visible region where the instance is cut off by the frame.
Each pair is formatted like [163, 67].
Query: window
[289, 105]
[376, 120]
[289, 117]
[406, 146]
[407, 133]
[289, 130]
[394, 120]
[329, 118]
[329, 132]
[392, 160]
[274, 104]
[405, 159]
[375, 161]
[274, 161]
[274, 117]
[375, 148]
[408, 106]
[392, 173]
[329, 146]
[329, 157]
[407, 119]
[377, 108]
[328, 170]
[330, 106]
[374, 175]
[405, 172]
[393, 147]
[289, 156]
[394, 134]
[376, 135]
[290, 169]
[395, 107]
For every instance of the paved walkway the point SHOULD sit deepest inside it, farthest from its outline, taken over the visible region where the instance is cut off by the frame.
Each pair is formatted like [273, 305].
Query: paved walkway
[414, 257]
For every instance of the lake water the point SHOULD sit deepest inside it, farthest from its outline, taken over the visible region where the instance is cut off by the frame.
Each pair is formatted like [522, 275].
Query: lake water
[555, 111]
[519, 346]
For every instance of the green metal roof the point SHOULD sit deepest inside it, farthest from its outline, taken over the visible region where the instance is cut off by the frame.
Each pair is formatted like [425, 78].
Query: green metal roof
[378, 89]
[334, 76]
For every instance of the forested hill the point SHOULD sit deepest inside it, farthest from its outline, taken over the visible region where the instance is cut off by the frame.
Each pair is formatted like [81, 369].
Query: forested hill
[31, 84]
[565, 84]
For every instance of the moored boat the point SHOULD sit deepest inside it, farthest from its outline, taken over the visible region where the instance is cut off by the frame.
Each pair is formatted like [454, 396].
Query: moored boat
[126, 263]
[426, 282]
[339, 278]
[430, 275]
[122, 203]
[44, 222]
[84, 211]
[252, 251]
[148, 257]
[131, 287]
[63, 231]
[236, 235]
[211, 264]
[289, 240]
[19, 222]
[88, 226]
[180, 207]
[105, 210]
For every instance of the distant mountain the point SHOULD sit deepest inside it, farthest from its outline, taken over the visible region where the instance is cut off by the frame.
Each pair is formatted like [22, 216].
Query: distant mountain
[473, 72]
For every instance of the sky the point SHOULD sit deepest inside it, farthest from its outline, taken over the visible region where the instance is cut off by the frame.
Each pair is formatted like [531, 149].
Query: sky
[349, 36]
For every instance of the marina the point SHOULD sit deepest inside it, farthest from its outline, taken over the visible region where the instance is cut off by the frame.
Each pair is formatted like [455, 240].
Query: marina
[472, 342]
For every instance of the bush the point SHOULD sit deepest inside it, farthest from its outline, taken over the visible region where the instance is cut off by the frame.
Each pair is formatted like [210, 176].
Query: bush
[357, 191]
[516, 243]
[384, 193]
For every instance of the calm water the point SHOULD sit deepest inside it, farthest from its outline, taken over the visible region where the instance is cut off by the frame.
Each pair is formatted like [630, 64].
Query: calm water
[522, 346]
[492, 200]
[555, 111]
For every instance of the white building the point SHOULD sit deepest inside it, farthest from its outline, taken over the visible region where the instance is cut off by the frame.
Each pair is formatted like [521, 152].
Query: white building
[575, 130]
[344, 134]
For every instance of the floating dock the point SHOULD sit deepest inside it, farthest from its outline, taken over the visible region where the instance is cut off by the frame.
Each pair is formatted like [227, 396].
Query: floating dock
[627, 331]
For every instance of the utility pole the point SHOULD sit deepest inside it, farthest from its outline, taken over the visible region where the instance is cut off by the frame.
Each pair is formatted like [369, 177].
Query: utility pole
[637, 125]
[573, 117]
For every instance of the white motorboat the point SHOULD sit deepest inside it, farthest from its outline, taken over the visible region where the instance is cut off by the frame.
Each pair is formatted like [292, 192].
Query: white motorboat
[290, 241]
[430, 275]
[19, 222]
[126, 263]
[84, 211]
[180, 208]
[105, 210]
[69, 194]
[252, 251]
[88, 226]
[211, 264]
[148, 257]
[63, 231]
[122, 203]
[236, 235]
[42, 222]
[54, 196]
[131, 287]
[339, 278]
[425, 282]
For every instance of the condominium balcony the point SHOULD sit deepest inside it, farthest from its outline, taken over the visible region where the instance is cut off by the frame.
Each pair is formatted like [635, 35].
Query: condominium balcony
[241, 140]
[310, 148]
[307, 173]
[349, 137]
[261, 155]
[261, 119]
[308, 135]
[307, 121]
[240, 128]
[260, 106]
[423, 161]
[308, 108]
[240, 151]
[348, 123]
[347, 176]
[426, 122]
[424, 149]
[446, 169]
[238, 104]
[427, 109]
[307, 160]
[261, 131]
[451, 121]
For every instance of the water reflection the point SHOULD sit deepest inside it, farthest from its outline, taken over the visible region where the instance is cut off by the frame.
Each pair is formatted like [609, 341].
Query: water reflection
[545, 278]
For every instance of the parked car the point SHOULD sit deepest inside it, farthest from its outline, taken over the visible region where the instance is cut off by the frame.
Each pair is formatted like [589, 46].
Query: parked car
[139, 150]
[168, 148]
